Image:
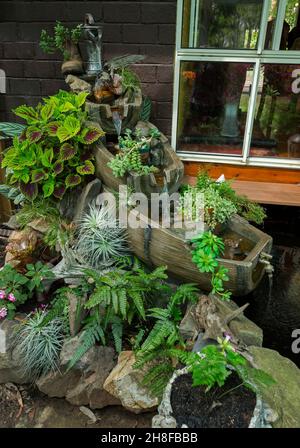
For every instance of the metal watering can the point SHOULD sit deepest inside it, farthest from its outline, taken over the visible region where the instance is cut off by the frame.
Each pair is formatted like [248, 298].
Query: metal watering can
[92, 34]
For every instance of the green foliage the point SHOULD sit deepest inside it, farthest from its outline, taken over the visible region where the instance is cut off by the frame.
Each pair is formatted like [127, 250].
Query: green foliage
[62, 36]
[58, 232]
[100, 241]
[54, 152]
[207, 247]
[39, 342]
[130, 81]
[129, 159]
[145, 113]
[17, 288]
[9, 130]
[244, 207]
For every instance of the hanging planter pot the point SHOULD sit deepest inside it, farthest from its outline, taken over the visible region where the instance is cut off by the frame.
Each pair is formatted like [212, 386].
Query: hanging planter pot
[73, 64]
[221, 413]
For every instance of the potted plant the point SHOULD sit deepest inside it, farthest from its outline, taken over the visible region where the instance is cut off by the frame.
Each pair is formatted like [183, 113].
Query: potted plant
[65, 40]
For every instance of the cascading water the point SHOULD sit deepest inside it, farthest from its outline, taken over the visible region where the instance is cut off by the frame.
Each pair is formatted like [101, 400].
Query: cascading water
[117, 120]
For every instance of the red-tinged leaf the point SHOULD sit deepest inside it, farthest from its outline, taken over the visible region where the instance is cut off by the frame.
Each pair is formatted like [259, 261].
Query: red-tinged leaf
[29, 190]
[72, 180]
[58, 167]
[33, 134]
[59, 191]
[87, 168]
[52, 128]
[22, 136]
[86, 155]
[27, 112]
[67, 151]
[38, 175]
[91, 135]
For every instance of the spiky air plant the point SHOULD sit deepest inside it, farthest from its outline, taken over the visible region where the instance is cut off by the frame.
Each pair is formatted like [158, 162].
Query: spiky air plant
[38, 343]
[100, 240]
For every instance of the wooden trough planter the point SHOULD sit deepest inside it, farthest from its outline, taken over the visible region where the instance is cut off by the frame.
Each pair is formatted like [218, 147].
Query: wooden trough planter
[162, 246]
[169, 180]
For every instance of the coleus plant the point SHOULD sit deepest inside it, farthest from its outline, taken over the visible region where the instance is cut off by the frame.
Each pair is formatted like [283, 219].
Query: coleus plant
[54, 151]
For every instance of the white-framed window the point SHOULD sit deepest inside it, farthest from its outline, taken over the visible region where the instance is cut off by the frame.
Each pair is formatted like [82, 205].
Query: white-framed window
[237, 82]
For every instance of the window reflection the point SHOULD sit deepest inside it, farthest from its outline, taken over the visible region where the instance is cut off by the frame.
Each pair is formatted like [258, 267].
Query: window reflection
[276, 130]
[230, 24]
[213, 105]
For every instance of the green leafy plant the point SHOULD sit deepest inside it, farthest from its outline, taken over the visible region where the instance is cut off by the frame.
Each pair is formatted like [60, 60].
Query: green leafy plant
[100, 241]
[39, 341]
[244, 207]
[116, 299]
[54, 152]
[16, 288]
[62, 37]
[129, 158]
[12, 193]
[207, 247]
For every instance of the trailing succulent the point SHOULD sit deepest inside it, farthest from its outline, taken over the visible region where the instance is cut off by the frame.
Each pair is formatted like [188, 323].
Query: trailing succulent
[53, 153]
[129, 158]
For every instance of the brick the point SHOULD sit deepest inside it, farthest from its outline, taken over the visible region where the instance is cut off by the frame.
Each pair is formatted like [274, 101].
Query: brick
[164, 125]
[45, 56]
[24, 86]
[158, 92]
[29, 32]
[144, 34]
[158, 54]
[159, 13]
[166, 34]
[122, 12]
[19, 50]
[51, 86]
[13, 69]
[112, 33]
[146, 72]
[75, 11]
[164, 110]
[112, 50]
[165, 73]
[8, 31]
[39, 69]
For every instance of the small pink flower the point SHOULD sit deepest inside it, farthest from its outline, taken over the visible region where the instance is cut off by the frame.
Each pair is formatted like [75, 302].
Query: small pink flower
[2, 294]
[11, 297]
[3, 313]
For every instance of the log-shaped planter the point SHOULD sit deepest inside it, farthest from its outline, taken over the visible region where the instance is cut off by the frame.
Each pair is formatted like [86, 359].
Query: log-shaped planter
[168, 181]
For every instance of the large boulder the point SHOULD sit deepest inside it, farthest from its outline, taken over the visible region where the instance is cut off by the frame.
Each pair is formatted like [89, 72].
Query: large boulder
[83, 384]
[124, 383]
[284, 396]
[10, 362]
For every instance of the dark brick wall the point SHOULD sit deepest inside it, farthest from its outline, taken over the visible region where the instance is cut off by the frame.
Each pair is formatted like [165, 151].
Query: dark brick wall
[143, 27]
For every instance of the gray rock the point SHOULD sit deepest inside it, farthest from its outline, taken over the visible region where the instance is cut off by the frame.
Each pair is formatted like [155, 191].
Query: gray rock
[124, 383]
[76, 312]
[10, 363]
[57, 384]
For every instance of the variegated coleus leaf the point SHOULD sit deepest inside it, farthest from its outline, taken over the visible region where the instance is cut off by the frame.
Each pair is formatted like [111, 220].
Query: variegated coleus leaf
[72, 180]
[38, 175]
[33, 134]
[58, 167]
[29, 190]
[67, 151]
[52, 128]
[59, 191]
[86, 168]
[90, 135]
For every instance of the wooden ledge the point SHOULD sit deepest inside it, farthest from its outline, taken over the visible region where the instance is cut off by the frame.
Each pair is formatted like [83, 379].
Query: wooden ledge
[264, 192]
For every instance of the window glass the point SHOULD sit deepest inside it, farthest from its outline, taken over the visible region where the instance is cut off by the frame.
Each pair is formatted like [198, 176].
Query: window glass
[212, 106]
[276, 130]
[232, 24]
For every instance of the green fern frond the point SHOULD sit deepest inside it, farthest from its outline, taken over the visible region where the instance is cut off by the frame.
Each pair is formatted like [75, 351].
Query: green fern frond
[117, 332]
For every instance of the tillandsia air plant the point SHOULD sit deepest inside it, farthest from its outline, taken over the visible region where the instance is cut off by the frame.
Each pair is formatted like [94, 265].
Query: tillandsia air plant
[100, 240]
[63, 37]
[38, 342]
[207, 247]
[132, 146]
[54, 152]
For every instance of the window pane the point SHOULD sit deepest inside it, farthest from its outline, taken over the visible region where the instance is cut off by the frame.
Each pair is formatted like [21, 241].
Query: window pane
[290, 30]
[212, 107]
[276, 131]
[232, 24]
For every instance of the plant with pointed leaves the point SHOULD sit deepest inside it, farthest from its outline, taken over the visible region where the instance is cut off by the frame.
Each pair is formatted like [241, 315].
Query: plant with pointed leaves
[53, 153]
[61, 40]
